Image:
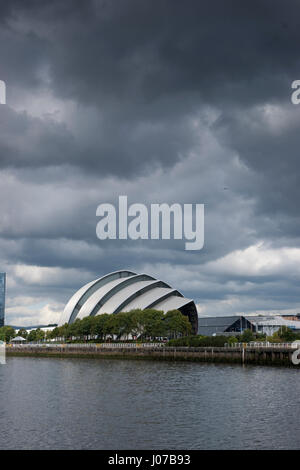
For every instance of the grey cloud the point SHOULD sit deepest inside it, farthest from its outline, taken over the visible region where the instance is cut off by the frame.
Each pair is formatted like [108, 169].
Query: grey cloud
[268, 141]
[129, 52]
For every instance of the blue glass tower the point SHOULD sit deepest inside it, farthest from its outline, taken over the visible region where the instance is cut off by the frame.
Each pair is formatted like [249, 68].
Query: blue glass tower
[2, 297]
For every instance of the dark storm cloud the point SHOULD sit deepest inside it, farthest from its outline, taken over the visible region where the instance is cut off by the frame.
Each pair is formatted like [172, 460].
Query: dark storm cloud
[146, 71]
[134, 52]
[116, 147]
[31, 142]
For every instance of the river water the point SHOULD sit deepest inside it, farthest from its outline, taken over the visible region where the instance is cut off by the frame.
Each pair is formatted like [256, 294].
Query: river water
[118, 404]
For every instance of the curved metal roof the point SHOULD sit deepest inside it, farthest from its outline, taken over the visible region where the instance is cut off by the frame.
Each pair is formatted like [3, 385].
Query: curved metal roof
[171, 303]
[124, 291]
[93, 305]
[150, 297]
[119, 302]
[78, 299]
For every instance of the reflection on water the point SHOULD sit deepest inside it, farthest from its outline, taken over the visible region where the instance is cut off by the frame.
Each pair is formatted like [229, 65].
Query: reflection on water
[115, 404]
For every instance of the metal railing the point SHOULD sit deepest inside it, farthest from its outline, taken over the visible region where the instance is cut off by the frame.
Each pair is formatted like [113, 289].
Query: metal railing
[95, 346]
[266, 344]
[130, 345]
[87, 345]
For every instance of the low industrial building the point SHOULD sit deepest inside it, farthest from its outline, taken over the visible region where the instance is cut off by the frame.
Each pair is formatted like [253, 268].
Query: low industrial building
[212, 326]
[233, 325]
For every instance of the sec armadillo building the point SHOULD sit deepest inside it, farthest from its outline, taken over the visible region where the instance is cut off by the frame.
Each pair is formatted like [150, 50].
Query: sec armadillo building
[122, 291]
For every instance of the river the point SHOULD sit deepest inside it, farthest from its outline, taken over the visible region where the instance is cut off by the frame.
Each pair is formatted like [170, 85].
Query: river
[133, 404]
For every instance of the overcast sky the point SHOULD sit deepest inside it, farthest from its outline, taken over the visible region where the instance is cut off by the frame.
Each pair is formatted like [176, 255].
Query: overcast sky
[162, 101]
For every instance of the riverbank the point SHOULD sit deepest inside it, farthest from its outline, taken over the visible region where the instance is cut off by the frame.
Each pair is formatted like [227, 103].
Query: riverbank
[248, 355]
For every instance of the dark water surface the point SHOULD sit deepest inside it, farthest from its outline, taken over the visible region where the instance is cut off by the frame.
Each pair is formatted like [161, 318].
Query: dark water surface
[116, 404]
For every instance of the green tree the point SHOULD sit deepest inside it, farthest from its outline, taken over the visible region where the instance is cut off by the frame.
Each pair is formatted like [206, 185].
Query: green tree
[247, 336]
[153, 323]
[22, 332]
[261, 337]
[84, 327]
[286, 334]
[232, 340]
[123, 324]
[72, 330]
[32, 335]
[36, 335]
[100, 325]
[40, 334]
[176, 324]
[7, 333]
[48, 335]
[138, 322]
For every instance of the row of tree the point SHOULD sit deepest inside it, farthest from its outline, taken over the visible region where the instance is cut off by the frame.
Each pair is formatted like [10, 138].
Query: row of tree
[141, 324]
[7, 333]
[144, 325]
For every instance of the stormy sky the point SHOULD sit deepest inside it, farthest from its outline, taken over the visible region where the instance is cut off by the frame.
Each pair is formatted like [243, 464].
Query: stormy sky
[162, 101]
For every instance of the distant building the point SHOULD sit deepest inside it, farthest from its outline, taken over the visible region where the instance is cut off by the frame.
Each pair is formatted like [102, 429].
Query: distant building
[269, 324]
[291, 316]
[211, 326]
[35, 327]
[266, 324]
[18, 340]
[2, 297]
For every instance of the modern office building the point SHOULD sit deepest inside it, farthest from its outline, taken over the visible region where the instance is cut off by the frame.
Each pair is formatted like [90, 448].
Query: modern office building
[2, 297]
[122, 291]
